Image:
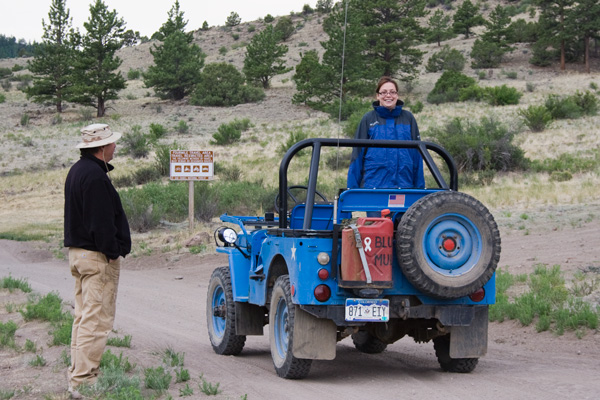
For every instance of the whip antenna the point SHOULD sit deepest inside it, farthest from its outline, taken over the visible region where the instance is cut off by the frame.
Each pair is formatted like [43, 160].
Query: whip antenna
[342, 84]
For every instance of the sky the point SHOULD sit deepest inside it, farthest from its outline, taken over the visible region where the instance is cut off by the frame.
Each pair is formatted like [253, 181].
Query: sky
[22, 19]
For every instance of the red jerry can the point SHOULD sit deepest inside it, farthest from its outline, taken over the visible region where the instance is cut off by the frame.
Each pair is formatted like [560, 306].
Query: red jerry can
[376, 235]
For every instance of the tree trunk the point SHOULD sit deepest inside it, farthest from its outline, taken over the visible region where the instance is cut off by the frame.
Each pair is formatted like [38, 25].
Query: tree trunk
[562, 55]
[586, 41]
[101, 108]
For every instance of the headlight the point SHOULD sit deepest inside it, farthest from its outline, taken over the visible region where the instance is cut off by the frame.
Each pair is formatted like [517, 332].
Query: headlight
[227, 235]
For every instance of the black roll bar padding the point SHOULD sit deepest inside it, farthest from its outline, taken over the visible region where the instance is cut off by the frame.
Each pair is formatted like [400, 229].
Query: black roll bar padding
[317, 143]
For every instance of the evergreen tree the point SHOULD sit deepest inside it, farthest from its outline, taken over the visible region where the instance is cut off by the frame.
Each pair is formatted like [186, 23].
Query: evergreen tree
[554, 22]
[392, 32]
[95, 80]
[264, 57]
[466, 17]
[439, 28]
[498, 28]
[285, 28]
[321, 84]
[587, 22]
[222, 85]
[233, 20]
[177, 61]
[53, 58]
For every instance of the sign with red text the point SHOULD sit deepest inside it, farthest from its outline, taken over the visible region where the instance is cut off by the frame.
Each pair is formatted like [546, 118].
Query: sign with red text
[191, 165]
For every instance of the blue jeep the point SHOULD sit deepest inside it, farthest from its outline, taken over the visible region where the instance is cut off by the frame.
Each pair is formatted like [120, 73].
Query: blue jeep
[424, 268]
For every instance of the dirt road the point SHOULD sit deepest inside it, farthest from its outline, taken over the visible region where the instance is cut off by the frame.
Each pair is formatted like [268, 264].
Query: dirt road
[162, 300]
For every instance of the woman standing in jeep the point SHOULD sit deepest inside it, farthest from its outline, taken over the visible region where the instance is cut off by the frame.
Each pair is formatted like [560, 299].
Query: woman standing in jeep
[376, 167]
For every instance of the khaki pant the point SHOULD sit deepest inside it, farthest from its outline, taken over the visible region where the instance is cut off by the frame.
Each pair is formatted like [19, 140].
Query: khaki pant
[96, 282]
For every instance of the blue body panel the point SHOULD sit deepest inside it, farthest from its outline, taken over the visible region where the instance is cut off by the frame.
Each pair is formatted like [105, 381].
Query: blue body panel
[258, 250]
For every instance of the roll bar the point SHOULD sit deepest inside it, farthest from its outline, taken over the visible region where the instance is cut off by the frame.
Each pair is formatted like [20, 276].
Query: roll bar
[317, 143]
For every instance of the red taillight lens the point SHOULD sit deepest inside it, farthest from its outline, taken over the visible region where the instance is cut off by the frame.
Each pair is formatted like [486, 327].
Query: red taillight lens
[478, 295]
[322, 293]
[323, 274]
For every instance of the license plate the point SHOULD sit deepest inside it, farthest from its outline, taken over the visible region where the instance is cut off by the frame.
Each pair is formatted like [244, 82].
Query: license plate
[370, 310]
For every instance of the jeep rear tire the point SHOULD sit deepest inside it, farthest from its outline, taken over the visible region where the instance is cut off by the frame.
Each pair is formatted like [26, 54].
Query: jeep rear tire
[448, 245]
[281, 331]
[441, 344]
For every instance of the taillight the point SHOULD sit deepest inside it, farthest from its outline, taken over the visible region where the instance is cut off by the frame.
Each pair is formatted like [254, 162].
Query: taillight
[322, 293]
[478, 295]
[323, 274]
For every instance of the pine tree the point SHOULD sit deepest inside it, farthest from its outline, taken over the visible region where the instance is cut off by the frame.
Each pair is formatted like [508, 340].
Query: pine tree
[177, 61]
[53, 58]
[393, 32]
[95, 79]
[587, 22]
[321, 84]
[466, 17]
[498, 28]
[264, 57]
[439, 27]
[555, 21]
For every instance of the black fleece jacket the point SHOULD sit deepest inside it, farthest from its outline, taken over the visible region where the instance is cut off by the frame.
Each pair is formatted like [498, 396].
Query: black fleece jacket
[94, 216]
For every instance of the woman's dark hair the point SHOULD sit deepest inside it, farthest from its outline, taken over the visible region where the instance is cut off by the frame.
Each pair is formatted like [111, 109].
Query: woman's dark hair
[383, 80]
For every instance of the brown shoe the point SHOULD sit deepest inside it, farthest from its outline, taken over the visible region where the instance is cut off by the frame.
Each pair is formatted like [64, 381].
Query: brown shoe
[74, 393]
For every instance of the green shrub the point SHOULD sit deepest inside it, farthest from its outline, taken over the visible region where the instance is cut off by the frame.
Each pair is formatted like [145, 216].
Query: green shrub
[7, 334]
[486, 146]
[47, 308]
[502, 95]
[563, 107]
[587, 101]
[446, 59]
[486, 54]
[222, 85]
[133, 74]
[157, 131]
[135, 143]
[4, 72]
[293, 138]
[25, 119]
[163, 157]
[228, 173]
[157, 378]
[284, 27]
[448, 86]
[125, 341]
[536, 118]
[416, 108]
[11, 283]
[2, 98]
[566, 162]
[269, 18]
[223, 50]
[231, 132]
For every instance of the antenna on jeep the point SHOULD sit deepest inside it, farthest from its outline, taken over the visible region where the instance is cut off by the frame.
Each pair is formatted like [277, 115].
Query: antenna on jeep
[337, 159]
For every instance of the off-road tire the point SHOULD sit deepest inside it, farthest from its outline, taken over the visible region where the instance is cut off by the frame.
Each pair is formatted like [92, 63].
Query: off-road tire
[431, 268]
[441, 344]
[367, 343]
[221, 328]
[281, 331]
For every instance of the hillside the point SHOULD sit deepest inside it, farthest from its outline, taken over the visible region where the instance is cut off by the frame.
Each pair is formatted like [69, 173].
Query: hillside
[43, 149]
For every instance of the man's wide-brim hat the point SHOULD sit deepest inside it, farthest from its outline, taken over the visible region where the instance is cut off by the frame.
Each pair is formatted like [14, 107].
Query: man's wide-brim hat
[97, 135]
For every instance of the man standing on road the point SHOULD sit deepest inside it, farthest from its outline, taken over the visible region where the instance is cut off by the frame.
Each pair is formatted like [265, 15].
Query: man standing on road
[97, 234]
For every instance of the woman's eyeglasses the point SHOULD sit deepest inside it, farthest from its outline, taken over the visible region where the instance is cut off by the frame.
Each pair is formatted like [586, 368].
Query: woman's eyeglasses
[391, 93]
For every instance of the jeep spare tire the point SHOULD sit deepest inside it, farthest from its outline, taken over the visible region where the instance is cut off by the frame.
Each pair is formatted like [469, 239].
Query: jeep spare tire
[448, 245]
